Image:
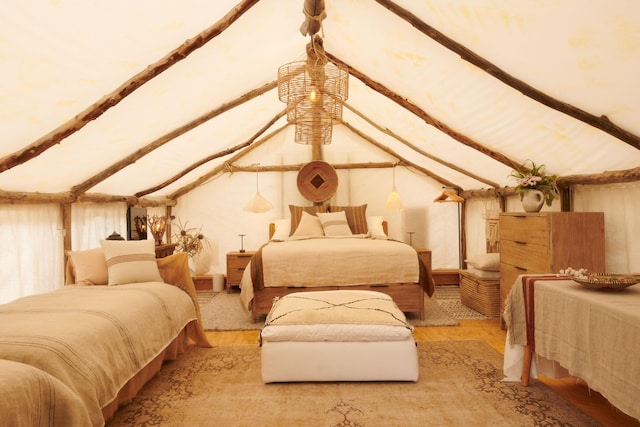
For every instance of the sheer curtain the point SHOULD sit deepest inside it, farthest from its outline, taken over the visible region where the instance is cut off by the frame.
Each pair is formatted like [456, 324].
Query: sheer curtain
[620, 204]
[32, 242]
[31, 248]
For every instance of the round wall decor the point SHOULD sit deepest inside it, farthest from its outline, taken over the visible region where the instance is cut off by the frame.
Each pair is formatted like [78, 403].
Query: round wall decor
[317, 181]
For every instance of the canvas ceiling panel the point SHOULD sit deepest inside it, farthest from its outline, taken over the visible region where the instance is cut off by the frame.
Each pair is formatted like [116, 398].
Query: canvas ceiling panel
[58, 58]
[585, 53]
[234, 127]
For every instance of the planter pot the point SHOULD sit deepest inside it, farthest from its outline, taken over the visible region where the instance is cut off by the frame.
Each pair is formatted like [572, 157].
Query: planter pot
[532, 200]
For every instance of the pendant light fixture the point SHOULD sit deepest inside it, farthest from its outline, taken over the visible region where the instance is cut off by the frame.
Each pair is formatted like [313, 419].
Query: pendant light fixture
[258, 204]
[394, 202]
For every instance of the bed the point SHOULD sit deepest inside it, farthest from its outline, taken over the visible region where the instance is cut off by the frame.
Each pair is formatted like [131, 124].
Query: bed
[321, 259]
[96, 346]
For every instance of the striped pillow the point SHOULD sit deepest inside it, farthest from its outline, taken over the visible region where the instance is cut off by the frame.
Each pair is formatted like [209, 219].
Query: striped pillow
[356, 217]
[335, 224]
[131, 261]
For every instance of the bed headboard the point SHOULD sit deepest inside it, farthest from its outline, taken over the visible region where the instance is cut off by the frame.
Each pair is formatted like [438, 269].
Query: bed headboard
[272, 228]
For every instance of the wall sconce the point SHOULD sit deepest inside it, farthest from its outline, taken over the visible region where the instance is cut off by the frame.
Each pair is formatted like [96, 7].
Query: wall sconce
[394, 202]
[258, 204]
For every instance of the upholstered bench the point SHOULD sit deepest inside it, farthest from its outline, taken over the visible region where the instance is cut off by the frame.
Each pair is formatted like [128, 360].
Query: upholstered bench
[337, 336]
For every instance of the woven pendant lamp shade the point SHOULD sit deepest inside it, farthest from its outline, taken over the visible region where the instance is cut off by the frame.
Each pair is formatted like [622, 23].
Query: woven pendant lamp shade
[314, 91]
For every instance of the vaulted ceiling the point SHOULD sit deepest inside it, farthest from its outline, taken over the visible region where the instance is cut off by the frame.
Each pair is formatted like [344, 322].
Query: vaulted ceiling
[149, 98]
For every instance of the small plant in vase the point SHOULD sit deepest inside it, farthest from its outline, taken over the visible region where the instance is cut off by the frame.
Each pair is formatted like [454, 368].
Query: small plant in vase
[189, 240]
[533, 178]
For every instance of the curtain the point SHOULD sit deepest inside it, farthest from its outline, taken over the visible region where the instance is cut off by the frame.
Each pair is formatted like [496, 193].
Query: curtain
[32, 242]
[31, 248]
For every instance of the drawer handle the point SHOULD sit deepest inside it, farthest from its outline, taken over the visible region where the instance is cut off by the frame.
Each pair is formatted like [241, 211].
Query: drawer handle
[520, 268]
[517, 242]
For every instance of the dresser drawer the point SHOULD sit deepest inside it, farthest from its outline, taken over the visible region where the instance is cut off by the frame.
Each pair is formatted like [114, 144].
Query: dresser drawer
[525, 228]
[530, 258]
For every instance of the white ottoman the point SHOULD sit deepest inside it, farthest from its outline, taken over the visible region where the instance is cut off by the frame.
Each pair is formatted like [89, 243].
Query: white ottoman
[337, 336]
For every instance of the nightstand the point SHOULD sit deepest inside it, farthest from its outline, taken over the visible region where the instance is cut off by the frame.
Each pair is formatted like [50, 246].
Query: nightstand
[203, 282]
[236, 263]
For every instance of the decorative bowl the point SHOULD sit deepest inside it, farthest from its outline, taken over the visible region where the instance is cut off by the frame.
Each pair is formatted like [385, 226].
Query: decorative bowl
[607, 282]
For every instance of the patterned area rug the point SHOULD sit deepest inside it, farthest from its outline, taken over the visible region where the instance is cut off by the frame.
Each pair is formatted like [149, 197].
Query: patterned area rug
[223, 312]
[460, 384]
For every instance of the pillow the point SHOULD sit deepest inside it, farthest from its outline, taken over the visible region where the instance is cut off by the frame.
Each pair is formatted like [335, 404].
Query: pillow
[374, 225]
[309, 226]
[282, 228]
[356, 217]
[89, 267]
[131, 261]
[487, 262]
[334, 224]
[484, 274]
[296, 214]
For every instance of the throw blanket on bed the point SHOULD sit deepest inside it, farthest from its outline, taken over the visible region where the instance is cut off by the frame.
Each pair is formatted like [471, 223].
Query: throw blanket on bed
[31, 397]
[318, 261]
[94, 338]
[344, 307]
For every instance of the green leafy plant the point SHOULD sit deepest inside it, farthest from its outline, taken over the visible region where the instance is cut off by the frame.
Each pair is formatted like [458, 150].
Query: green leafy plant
[530, 176]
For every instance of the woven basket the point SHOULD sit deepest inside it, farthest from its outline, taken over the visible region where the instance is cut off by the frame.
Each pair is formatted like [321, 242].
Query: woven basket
[480, 294]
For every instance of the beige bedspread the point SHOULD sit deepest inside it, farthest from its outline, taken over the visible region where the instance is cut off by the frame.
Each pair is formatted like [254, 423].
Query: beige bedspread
[31, 397]
[595, 335]
[94, 338]
[313, 262]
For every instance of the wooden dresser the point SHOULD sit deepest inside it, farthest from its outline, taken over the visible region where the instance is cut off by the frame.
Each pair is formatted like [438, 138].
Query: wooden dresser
[236, 263]
[547, 242]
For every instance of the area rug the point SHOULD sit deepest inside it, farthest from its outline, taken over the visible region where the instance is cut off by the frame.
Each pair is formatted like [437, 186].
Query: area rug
[448, 297]
[459, 384]
[223, 312]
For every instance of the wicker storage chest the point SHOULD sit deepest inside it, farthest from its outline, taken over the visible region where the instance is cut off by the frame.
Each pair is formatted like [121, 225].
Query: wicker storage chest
[482, 295]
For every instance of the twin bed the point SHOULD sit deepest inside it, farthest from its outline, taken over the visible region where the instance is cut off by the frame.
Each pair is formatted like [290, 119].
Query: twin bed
[72, 356]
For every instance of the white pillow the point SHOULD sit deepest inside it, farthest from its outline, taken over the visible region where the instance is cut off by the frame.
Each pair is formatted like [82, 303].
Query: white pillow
[487, 262]
[335, 224]
[282, 228]
[484, 274]
[309, 226]
[131, 261]
[374, 225]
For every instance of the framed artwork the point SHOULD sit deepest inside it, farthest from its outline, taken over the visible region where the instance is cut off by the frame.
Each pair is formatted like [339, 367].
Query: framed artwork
[136, 223]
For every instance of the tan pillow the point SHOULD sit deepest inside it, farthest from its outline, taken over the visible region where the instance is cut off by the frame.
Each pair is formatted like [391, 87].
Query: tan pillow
[334, 224]
[90, 267]
[309, 226]
[487, 262]
[356, 217]
[131, 261]
[296, 214]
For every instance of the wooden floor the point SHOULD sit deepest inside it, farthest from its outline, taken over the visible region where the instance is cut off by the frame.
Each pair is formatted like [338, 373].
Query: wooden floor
[489, 331]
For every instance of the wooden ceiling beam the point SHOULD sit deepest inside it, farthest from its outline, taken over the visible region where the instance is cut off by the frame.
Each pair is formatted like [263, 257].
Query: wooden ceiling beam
[132, 158]
[110, 100]
[408, 105]
[602, 122]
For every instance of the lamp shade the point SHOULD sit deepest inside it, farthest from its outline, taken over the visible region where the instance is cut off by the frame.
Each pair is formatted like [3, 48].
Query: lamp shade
[258, 204]
[394, 202]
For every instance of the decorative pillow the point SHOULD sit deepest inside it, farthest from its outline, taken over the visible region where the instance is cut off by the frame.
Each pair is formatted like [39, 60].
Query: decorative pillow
[334, 224]
[309, 226]
[89, 267]
[356, 217]
[282, 228]
[374, 225]
[484, 274]
[131, 261]
[296, 214]
[487, 262]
